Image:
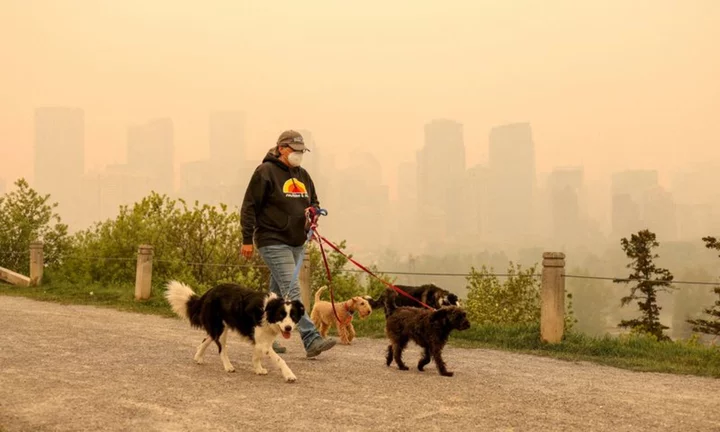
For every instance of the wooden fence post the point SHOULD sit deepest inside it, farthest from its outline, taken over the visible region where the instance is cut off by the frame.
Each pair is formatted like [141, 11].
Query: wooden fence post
[37, 263]
[552, 297]
[143, 272]
[304, 281]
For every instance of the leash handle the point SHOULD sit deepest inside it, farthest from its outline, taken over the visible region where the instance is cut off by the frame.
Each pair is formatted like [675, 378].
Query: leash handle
[312, 214]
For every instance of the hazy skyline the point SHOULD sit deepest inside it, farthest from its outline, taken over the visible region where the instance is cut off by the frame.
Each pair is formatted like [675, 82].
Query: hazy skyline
[606, 86]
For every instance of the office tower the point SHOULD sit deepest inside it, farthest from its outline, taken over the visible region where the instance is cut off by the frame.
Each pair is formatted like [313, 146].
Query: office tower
[151, 153]
[512, 183]
[639, 202]
[60, 157]
[566, 190]
[440, 180]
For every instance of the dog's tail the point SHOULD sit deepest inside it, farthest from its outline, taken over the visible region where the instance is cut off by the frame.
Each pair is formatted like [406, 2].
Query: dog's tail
[319, 292]
[183, 301]
[390, 302]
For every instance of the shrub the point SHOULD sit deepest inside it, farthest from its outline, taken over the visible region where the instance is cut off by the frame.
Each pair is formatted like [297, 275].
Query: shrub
[25, 216]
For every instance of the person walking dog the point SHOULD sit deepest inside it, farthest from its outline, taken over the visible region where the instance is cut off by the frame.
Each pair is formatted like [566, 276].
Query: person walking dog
[273, 218]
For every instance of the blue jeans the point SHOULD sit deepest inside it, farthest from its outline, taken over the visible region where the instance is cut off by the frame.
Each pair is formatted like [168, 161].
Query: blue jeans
[282, 259]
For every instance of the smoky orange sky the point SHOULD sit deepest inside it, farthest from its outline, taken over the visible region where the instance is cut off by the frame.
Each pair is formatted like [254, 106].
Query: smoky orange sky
[606, 84]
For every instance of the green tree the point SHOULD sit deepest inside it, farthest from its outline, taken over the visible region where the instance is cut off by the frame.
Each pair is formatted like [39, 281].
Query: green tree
[25, 216]
[648, 280]
[689, 302]
[198, 244]
[710, 326]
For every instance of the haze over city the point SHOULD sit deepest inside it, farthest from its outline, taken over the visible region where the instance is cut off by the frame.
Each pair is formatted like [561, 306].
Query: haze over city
[401, 103]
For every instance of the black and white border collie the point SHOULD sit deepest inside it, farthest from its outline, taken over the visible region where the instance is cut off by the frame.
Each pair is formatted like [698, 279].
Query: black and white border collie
[430, 294]
[258, 317]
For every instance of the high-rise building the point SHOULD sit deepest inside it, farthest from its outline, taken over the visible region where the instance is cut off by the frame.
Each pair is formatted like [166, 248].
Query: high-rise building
[60, 157]
[402, 225]
[565, 189]
[151, 153]
[358, 209]
[440, 181]
[476, 203]
[512, 183]
[227, 137]
[227, 147]
[639, 202]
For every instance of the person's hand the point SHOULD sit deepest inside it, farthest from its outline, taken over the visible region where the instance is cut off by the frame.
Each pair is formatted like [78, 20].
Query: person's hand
[246, 250]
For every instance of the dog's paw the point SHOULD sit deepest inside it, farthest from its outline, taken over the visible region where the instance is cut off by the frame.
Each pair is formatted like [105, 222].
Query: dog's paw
[403, 368]
[261, 371]
[290, 378]
[448, 374]
[421, 368]
[199, 360]
[229, 369]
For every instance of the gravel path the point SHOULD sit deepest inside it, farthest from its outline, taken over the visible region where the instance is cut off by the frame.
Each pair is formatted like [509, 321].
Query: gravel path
[80, 368]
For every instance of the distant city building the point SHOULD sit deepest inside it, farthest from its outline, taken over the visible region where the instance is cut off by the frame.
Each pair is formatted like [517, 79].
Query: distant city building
[358, 209]
[440, 181]
[476, 203]
[104, 192]
[639, 202]
[151, 154]
[566, 189]
[60, 157]
[227, 137]
[698, 211]
[512, 183]
[403, 222]
[227, 145]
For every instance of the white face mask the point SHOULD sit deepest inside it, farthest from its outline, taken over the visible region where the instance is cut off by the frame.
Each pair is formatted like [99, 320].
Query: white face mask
[295, 158]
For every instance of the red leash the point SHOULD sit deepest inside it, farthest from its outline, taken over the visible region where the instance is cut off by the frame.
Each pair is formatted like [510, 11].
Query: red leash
[320, 239]
[312, 216]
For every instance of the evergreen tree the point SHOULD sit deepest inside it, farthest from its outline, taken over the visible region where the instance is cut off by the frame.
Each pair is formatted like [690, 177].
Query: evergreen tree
[710, 326]
[648, 281]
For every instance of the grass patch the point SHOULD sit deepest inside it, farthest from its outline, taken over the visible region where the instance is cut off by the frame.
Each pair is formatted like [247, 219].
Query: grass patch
[639, 353]
[117, 296]
[633, 352]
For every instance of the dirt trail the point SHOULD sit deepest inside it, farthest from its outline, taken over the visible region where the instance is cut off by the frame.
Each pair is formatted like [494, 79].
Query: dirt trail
[80, 368]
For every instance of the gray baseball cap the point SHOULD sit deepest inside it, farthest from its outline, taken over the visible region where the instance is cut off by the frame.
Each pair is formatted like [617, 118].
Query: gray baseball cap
[293, 140]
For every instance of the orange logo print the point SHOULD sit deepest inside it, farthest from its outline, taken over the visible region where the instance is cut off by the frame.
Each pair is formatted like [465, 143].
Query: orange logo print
[294, 188]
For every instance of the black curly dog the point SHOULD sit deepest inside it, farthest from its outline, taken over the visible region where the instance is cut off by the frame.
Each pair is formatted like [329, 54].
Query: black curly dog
[428, 328]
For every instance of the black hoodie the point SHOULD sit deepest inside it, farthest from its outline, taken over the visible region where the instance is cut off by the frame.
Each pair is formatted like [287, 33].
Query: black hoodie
[275, 202]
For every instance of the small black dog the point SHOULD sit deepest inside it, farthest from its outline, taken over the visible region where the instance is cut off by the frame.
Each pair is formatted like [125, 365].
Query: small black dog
[430, 294]
[428, 328]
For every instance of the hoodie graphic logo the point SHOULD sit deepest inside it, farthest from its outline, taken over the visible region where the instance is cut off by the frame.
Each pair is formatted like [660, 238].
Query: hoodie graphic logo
[294, 188]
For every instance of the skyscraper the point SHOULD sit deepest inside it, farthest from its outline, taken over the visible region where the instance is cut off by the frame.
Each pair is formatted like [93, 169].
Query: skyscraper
[628, 190]
[639, 202]
[60, 157]
[565, 189]
[512, 183]
[227, 138]
[440, 177]
[151, 153]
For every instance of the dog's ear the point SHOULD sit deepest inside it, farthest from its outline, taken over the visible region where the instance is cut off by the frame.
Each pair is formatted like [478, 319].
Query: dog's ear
[273, 309]
[297, 311]
[440, 316]
[458, 318]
